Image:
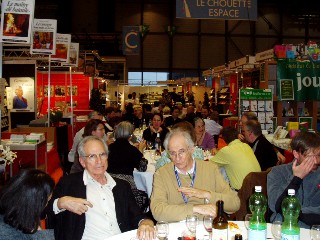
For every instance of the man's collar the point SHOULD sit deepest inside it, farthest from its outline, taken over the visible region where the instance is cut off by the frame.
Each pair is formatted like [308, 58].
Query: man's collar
[189, 172]
[87, 177]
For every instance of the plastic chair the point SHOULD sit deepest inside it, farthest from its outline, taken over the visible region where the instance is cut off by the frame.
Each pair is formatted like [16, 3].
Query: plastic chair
[247, 189]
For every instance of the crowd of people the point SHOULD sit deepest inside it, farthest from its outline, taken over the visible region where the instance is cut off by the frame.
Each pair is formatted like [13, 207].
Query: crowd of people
[99, 199]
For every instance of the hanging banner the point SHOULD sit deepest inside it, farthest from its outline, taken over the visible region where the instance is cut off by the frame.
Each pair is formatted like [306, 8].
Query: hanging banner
[217, 9]
[131, 40]
[73, 55]
[23, 93]
[63, 42]
[305, 77]
[16, 19]
[43, 36]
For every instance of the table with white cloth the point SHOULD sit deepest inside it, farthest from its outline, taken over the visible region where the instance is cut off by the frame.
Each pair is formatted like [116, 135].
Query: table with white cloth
[175, 230]
[144, 180]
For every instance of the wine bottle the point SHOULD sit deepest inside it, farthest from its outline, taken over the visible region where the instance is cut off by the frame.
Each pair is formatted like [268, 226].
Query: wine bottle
[157, 142]
[220, 224]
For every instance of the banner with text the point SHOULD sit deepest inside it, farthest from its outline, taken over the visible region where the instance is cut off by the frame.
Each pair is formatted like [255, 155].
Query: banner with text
[305, 77]
[217, 9]
[131, 40]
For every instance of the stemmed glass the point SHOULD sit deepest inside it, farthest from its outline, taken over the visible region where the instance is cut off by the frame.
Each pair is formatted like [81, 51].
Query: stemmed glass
[162, 230]
[207, 223]
[149, 145]
[276, 229]
[247, 219]
[315, 232]
[192, 222]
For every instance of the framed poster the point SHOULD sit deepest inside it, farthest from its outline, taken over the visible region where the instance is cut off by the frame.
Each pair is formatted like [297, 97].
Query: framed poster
[23, 93]
[59, 91]
[286, 89]
[45, 91]
[306, 119]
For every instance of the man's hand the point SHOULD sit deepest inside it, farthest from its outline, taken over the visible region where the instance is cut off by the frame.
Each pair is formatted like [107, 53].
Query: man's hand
[146, 230]
[241, 137]
[194, 192]
[75, 205]
[304, 168]
[281, 158]
[206, 209]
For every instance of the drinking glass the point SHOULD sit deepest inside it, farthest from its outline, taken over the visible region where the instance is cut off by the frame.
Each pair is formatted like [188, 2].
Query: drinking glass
[162, 230]
[192, 222]
[315, 232]
[149, 145]
[207, 223]
[276, 229]
[247, 219]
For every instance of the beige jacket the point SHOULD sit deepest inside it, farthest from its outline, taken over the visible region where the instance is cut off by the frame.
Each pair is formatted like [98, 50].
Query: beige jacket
[167, 203]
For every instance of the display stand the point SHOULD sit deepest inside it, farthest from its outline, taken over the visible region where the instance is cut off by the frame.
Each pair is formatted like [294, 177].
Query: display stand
[258, 101]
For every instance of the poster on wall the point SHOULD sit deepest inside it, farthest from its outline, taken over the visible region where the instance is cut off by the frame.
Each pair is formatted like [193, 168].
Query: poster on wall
[23, 93]
[63, 42]
[74, 91]
[59, 91]
[16, 19]
[45, 91]
[43, 36]
[73, 55]
[258, 101]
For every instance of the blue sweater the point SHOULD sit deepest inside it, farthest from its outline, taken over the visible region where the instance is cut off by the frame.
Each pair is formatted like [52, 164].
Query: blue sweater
[280, 179]
[9, 233]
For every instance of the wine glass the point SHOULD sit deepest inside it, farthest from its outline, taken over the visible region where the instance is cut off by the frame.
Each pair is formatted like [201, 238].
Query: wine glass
[192, 222]
[315, 232]
[207, 223]
[276, 229]
[162, 230]
[149, 145]
[247, 219]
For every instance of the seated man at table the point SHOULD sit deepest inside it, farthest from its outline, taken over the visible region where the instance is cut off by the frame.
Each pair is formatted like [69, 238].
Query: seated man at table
[182, 187]
[93, 205]
[302, 175]
[237, 158]
[263, 149]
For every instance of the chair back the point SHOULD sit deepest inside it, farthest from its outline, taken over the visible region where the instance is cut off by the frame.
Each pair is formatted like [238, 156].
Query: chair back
[247, 189]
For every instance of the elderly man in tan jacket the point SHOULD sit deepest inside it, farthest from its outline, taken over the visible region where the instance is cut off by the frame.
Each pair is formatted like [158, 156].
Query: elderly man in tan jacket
[187, 186]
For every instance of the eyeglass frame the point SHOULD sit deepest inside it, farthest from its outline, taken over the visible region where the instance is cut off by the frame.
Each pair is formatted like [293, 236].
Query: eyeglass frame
[94, 157]
[180, 153]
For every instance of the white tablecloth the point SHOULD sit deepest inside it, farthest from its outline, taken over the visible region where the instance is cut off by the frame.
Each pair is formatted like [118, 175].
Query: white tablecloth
[144, 180]
[175, 230]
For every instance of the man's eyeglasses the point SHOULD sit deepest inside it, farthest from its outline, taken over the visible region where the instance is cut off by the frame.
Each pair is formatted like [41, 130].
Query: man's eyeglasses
[181, 153]
[94, 157]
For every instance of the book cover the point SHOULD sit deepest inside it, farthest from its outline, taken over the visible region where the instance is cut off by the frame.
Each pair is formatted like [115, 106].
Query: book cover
[43, 36]
[16, 20]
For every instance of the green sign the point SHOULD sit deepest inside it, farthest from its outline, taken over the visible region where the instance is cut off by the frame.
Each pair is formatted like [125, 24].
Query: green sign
[255, 94]
[305, 77]
[286, 89]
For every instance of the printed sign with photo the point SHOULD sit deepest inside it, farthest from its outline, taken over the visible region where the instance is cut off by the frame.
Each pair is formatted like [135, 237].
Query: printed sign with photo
[43, 36]
[59, 91]
[63, 42]
[23, 89]
[73, 55]
[45, 91]
[16, 18]
[74, 91]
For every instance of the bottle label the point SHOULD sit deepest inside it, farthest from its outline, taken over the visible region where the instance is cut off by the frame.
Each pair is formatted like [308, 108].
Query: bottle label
[289, 237]
[219, 234]
[257, 234]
